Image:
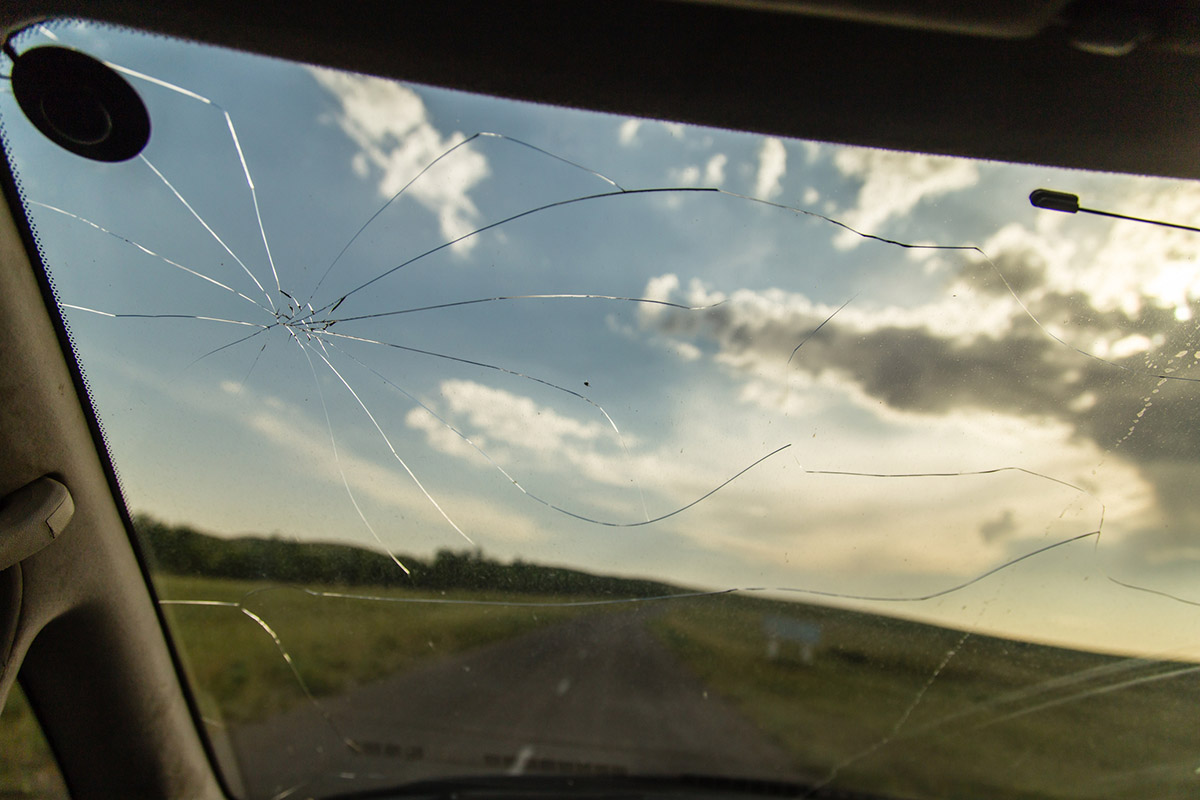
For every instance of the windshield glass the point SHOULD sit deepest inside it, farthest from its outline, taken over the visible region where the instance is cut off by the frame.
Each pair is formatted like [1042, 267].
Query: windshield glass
[465, 436]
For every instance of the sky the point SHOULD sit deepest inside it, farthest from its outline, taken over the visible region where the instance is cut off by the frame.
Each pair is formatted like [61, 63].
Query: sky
[334, 308]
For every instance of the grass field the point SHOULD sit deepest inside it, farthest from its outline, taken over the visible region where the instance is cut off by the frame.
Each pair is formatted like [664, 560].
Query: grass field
[903, 709]
[913, 710]
[27, 769]
[906, 709]
[334, 643]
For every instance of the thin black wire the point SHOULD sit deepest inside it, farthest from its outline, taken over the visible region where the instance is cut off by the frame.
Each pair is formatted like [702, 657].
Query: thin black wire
[1115, 215]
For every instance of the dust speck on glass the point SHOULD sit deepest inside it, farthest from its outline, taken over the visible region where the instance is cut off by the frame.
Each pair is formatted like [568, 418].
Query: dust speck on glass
[468, 437]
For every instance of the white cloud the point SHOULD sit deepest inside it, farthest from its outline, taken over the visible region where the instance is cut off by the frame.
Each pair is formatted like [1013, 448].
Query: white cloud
[660, 287]
[714, 170]
[443, 439]
[390, 125]
[506, 419]
[772, 166]
[893, 184]
[687, 351]
[628, 131]
[515, 419]
[586, 453]
[685, 176]
[760, 311]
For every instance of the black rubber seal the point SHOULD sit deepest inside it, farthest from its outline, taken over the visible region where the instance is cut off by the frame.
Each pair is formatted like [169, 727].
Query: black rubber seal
[80, 103]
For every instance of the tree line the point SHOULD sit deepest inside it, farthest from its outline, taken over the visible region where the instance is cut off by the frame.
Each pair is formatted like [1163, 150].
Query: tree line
[182, 550]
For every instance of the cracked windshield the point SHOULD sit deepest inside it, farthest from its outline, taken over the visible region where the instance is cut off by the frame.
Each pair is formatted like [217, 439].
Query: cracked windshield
[468, 437]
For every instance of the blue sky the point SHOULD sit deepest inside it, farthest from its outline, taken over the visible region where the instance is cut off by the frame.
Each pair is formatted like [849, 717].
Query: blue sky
[1030, 409]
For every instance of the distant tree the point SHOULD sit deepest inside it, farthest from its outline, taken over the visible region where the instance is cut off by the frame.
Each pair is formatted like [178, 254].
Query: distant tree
[180, 550]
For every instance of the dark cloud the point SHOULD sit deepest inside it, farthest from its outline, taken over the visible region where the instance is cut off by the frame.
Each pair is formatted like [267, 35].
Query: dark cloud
[1023, 271]
[1026, 372]
[1001, 527]
[1120, 405]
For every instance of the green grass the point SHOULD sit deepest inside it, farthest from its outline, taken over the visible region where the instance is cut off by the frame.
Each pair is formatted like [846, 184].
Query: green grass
[239, 672]
[867, 674]
[27, 768]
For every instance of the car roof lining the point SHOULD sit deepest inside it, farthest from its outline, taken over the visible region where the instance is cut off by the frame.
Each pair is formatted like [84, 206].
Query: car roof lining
[1033, 99]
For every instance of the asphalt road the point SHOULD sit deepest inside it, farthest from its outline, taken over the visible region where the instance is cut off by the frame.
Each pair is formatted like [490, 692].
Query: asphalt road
[596, 695]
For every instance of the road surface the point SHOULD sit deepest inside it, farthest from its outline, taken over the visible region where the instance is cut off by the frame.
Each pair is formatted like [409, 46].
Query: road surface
[596, 695]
